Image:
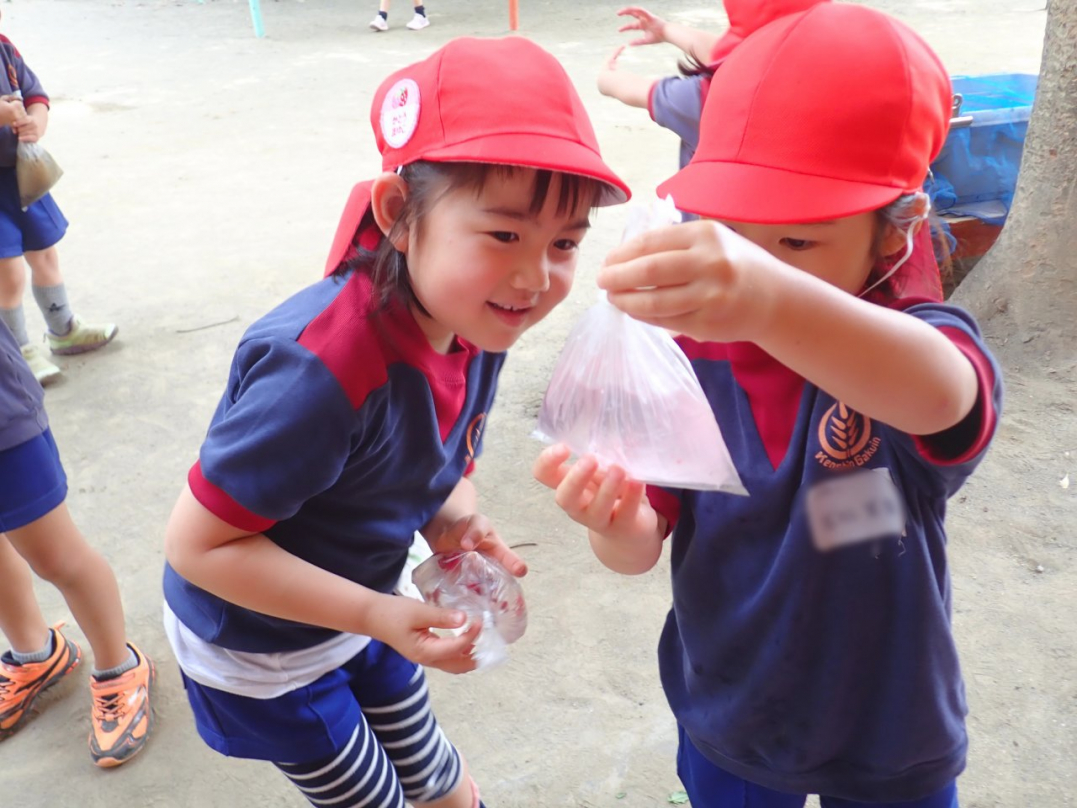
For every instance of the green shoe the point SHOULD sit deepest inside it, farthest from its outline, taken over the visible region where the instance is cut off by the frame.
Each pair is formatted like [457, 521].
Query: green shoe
[81, 338]
[42, 368]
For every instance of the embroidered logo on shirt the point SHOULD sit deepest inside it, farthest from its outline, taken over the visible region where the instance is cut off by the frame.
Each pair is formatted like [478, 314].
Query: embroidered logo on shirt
[12, 77]
[474, 435]
[845, 438]
[400, 113]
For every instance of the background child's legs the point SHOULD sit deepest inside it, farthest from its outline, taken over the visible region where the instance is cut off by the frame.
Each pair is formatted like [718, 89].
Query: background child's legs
[21, 620]
[12, 288]
[58, 553]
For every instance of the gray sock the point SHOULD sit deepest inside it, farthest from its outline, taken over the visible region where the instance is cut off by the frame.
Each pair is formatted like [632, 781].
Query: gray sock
[111, 673]
[15, 319]
[52, 300]
[36, 656]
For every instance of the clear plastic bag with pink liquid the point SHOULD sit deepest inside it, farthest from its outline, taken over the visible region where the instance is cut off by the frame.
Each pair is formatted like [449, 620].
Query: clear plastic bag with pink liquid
[625, 392]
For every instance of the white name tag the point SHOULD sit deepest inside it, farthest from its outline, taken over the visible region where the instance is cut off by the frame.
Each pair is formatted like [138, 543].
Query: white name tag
[854, 507]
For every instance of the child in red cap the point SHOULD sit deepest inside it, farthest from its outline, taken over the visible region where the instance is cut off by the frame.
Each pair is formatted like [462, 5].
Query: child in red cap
[676, 102]
[352, 417]
[809, 647]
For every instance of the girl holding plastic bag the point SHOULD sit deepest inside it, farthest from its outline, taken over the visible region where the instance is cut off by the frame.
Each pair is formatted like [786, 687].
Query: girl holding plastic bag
[352, 418]
[809, 647]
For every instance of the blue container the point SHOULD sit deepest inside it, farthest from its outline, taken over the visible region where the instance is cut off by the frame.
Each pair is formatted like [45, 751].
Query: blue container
[976, 172]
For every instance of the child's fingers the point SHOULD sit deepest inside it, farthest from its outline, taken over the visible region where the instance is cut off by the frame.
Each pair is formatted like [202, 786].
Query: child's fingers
[430, 616]
[664, 303]
[550, 468]
[601, 508]
[632, 497]
[575, 492]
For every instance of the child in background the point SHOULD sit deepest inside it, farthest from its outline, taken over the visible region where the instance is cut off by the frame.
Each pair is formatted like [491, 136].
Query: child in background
[352, 418]
[34, 232]
[36, 527]
[418, 21]
[676, 102]
[809, 648]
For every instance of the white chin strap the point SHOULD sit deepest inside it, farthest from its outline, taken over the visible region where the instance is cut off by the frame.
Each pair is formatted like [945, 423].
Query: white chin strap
[900, 262]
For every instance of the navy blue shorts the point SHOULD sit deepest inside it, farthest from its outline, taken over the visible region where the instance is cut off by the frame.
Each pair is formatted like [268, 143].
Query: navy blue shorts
[307, 724]
[32, 482]
[711, 787]
[37, 228]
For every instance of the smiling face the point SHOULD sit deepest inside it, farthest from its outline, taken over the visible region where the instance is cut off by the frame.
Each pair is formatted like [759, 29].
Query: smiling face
[487, 263]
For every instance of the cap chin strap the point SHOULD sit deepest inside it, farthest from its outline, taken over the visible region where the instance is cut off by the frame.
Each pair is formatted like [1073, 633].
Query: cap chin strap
[910, 233]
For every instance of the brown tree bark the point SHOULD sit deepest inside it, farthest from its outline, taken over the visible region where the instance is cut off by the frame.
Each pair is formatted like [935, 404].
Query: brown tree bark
[1024, 291]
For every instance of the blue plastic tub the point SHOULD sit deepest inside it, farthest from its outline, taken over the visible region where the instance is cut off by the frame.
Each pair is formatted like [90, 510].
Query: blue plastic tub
[976, 172]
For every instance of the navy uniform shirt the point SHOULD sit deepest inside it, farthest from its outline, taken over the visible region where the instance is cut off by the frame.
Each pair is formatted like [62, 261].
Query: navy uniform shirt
[809, 646]
[340, 433]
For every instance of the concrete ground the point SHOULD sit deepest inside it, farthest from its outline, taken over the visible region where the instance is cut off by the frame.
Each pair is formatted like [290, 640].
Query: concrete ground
[205, 174]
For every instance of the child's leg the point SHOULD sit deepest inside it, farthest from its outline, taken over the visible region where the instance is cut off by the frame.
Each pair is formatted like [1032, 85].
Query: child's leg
[67, 334]
[708, 786]
[49, 291]
[57, 552]
[946, 798]
[21, 620]
[12, 288]
[393, 696]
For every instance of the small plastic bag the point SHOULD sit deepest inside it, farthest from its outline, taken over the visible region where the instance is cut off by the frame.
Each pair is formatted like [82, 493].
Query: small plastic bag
[35, 172]
[485, 591]
[624, 391]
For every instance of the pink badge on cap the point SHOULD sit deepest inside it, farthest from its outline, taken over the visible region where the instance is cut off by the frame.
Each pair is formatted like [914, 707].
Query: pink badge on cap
[400, 113]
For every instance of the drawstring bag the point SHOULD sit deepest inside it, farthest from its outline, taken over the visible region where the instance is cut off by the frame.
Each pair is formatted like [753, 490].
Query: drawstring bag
[624, 392]
[485, 591]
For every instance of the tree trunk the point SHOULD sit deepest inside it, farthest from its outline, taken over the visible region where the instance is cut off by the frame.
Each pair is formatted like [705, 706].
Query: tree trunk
[1024, 291]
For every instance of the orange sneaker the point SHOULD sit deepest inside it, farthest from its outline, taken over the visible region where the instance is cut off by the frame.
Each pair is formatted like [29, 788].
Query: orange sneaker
[122, 717]
[20, 685]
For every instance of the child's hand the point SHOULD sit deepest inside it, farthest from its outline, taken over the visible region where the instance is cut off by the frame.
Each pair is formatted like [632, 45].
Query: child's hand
[11, 110]
[700, 279]
[405, 624]
[652, 27]
[28, 129]
[476, 533]
[607, 501]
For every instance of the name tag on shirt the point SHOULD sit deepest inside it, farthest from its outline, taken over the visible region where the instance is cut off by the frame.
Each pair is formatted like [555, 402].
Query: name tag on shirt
[853, 508]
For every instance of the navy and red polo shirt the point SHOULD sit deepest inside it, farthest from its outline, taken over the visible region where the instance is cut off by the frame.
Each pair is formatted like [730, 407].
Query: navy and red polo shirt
[340, 433]
[807, 670]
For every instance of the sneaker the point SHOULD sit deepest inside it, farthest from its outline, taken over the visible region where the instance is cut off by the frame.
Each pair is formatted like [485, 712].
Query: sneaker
[122, 717]
[379, 23]
[81, 338]
[418, 22]
[20, 685]
[44, 371]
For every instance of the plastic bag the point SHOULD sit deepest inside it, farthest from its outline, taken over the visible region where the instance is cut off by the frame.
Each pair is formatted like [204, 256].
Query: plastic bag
[35, 172]
[624, 391]
[484, 590]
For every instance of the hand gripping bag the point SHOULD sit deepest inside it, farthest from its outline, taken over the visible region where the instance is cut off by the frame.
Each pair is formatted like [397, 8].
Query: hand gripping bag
[625, 392]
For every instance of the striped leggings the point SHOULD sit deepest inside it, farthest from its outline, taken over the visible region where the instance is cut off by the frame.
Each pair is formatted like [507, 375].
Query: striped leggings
[397, 752]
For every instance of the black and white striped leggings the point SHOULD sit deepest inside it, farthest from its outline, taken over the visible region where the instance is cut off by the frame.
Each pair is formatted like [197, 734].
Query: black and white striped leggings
[397, 752]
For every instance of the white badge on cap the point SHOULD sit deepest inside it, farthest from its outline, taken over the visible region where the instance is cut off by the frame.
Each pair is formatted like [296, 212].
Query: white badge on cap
[400, 113]
[854, 507]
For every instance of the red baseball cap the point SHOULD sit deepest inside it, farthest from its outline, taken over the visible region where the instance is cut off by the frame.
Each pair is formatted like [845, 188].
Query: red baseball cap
[504, 101]
[748, 16]
[828, 113]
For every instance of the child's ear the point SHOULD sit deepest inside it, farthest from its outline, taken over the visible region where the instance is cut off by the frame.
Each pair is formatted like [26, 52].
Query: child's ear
[388, 196]
[894, 238]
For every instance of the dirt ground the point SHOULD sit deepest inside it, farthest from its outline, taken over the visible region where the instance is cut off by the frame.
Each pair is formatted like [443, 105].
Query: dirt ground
[205, 174]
